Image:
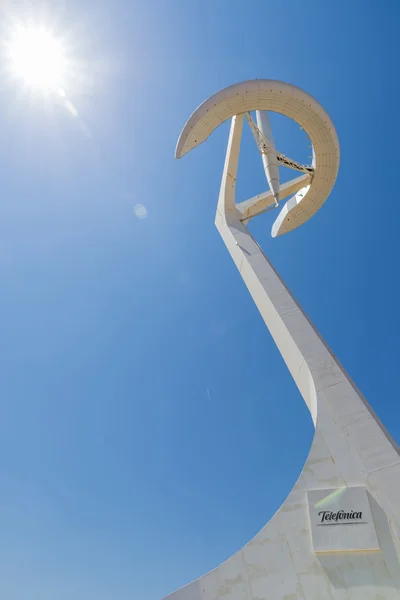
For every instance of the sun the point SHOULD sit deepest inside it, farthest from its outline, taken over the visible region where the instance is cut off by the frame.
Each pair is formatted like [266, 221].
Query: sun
[37, 58]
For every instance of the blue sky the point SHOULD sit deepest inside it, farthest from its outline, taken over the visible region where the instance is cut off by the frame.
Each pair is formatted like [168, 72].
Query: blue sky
[148, 426]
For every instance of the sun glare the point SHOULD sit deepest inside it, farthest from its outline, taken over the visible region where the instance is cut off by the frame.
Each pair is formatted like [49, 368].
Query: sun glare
[37, 58]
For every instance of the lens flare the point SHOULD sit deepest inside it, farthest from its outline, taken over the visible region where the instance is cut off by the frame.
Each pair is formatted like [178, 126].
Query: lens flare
[330, 497]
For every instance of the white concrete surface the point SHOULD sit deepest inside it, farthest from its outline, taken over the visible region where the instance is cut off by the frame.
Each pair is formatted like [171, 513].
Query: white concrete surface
[351, 448]
[258, 204]
[269, 157]
[275, 96]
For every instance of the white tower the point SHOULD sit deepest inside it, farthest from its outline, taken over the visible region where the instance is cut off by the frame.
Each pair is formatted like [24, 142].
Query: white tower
[337, 535]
